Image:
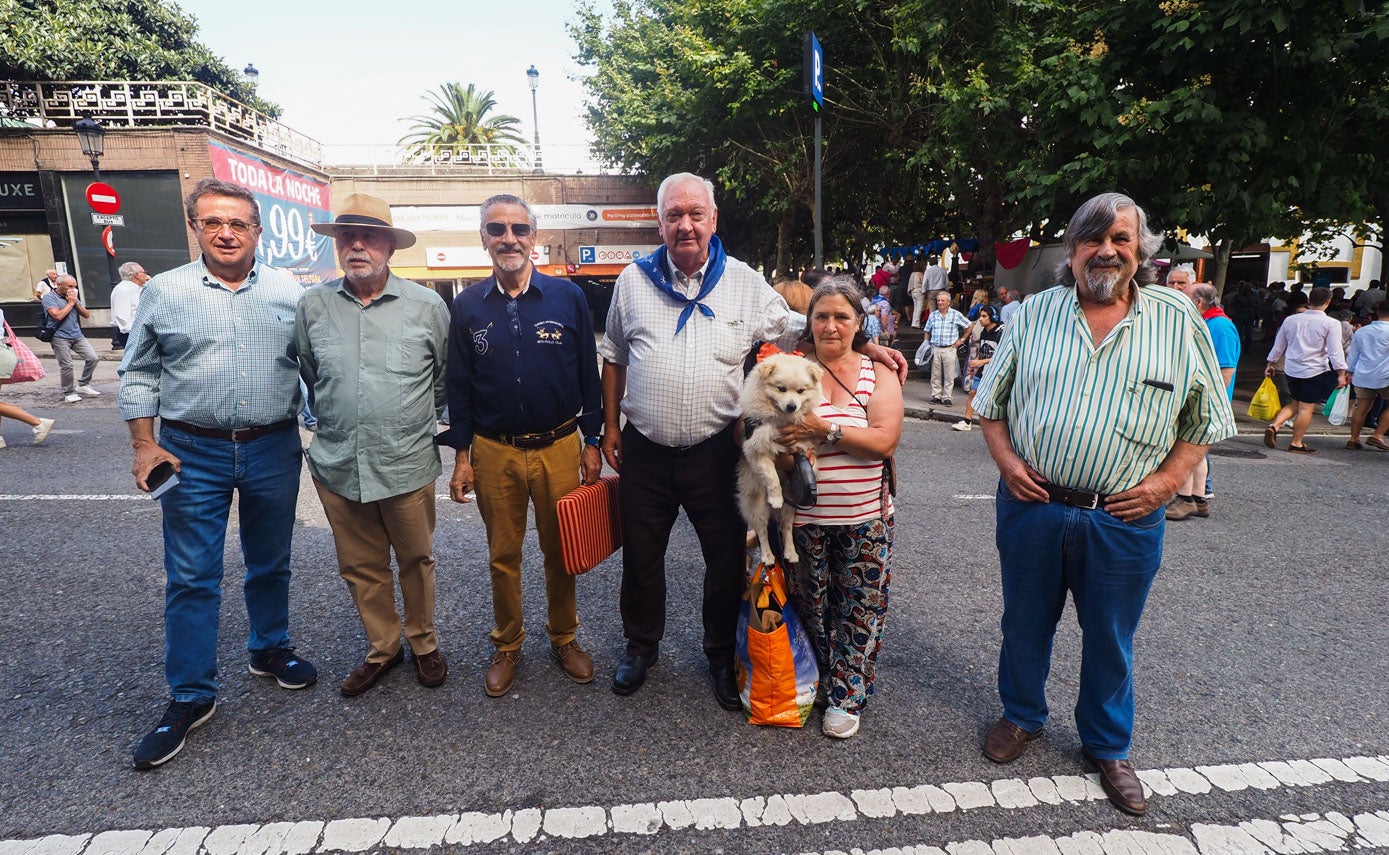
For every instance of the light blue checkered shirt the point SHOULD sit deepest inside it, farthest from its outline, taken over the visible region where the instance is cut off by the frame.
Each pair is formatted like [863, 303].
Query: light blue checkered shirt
[202, 353]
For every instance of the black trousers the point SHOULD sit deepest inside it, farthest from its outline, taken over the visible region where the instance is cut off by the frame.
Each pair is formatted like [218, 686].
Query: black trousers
[657, 481]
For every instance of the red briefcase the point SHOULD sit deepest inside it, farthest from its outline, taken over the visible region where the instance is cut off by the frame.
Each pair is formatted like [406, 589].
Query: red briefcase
[590, 528]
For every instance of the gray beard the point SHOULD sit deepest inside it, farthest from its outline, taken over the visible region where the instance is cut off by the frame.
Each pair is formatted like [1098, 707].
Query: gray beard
[1100, 282]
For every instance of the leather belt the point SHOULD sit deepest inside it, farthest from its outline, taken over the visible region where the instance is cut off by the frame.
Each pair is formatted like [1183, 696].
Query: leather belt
[1075, 498]
[530, 441]
[245, 434]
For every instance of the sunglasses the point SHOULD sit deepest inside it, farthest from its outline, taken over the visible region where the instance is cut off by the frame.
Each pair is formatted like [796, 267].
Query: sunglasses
[519, 229]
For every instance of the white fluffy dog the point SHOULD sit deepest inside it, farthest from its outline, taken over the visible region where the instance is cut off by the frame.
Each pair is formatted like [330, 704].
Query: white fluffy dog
[781, 390]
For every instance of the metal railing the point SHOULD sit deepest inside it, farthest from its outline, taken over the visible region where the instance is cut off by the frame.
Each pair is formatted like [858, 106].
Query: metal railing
[483, 159]
[143, 104]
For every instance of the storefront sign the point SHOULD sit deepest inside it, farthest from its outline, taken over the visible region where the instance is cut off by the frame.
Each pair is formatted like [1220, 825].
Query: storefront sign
[289, 203]
[470, 256]
[466, 218]
[613, 254]
[20, 191]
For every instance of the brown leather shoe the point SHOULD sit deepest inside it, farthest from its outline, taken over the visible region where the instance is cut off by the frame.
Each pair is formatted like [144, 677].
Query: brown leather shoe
[431, 668]
[577, 664]
[1006, 741]
[368, 674]
[1121, 784]
[502, 672]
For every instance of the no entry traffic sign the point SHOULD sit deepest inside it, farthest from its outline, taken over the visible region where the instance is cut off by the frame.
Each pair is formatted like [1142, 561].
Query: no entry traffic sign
[103, 198]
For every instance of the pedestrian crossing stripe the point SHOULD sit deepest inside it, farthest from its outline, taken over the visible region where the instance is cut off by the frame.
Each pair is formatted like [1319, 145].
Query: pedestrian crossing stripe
[703, 814]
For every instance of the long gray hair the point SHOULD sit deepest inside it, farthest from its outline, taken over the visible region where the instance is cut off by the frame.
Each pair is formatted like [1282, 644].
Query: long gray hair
[1093, 219]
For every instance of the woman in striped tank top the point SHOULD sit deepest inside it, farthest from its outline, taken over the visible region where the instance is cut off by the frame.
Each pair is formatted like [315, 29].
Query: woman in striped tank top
[839, 587]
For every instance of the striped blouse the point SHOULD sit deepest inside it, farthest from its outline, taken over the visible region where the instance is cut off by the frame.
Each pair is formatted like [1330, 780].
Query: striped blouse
[1102, 416]
[849, 487]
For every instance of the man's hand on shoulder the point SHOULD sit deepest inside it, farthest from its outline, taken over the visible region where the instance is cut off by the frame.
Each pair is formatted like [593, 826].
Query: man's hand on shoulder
[891, 357]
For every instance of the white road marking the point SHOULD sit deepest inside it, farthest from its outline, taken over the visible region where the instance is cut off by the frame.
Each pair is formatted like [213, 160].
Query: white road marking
[969, 498]
[109, 497]
[1332, 832]
[1306, 833]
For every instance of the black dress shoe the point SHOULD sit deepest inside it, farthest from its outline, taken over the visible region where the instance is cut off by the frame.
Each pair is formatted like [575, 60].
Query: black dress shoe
[632, 672]
[725, 687]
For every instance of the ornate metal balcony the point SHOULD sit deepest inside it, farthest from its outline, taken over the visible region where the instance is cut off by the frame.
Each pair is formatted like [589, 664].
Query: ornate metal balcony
[132, 104]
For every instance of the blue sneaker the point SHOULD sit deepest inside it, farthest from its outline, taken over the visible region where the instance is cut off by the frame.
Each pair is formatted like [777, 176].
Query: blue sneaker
[290, 671]
[161, 744]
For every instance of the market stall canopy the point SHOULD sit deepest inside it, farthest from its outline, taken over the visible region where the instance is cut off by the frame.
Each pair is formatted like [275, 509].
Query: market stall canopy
[1182, 252]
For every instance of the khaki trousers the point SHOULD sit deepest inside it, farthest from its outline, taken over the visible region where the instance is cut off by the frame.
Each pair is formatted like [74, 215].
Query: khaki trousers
[364, 534]
[507, 480]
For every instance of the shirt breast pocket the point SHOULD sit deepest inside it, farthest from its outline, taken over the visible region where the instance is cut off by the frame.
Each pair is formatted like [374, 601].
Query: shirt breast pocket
[406, 356]
[1148, 413]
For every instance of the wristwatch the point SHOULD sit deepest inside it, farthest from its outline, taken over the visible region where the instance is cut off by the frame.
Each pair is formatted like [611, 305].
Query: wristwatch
[835, 435]
[593, 440]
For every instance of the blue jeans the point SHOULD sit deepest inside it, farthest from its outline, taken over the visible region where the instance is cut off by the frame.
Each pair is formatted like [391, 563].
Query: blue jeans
[265, 475]
[1045, 550]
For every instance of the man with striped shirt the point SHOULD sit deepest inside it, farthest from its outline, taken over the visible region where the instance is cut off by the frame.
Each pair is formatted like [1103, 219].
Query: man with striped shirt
[1101, 398]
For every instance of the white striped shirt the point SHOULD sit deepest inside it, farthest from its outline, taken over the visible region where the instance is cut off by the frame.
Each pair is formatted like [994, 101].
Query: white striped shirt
[1082, 414]
[683, 389]
[849, 488]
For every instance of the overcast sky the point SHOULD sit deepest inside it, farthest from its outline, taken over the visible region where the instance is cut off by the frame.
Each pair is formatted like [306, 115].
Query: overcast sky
[351, 73]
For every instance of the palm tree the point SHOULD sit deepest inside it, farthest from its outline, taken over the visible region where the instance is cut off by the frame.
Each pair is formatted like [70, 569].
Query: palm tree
[459, 118]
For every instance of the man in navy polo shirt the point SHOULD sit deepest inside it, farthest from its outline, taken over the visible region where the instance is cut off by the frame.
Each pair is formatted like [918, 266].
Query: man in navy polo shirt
[522, 386]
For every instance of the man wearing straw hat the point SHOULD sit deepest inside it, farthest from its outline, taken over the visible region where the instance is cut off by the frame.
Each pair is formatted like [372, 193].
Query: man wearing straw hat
[372, 349]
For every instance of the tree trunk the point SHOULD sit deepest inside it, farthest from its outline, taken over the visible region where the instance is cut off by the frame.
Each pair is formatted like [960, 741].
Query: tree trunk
[1223, 251]
[783, 240]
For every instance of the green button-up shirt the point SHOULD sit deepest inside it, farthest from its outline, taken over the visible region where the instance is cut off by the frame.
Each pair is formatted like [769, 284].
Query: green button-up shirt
[376, 378]
[1080, 413]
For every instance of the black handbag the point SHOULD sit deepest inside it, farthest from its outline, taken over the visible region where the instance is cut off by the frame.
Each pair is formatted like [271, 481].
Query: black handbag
[801, 491]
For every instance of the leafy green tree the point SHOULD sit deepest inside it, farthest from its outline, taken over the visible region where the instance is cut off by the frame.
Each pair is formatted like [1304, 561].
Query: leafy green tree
[1227, 117]
[459, 118]
[112, 40]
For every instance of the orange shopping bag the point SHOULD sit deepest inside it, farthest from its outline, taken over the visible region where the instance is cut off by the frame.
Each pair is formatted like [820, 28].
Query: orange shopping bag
[775, 665]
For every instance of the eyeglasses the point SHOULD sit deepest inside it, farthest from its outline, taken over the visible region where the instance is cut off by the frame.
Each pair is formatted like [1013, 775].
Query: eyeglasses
[519, 229]
[212, 226]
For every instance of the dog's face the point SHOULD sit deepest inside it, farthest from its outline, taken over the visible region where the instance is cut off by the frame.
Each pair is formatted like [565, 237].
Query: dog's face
[789, 385]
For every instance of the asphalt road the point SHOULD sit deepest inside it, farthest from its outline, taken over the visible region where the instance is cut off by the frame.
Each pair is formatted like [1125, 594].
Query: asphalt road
[1264, 642]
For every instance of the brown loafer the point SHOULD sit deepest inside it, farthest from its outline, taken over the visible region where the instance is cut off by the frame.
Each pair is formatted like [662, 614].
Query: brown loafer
[368, 674]
[502, 672]
[1120, 783]
[1271, 436]
[1006, 741]
[577, 664]
[1376, 442]
[431, 668]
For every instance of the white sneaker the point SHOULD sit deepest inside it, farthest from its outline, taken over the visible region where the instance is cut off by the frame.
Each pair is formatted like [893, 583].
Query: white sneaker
[838, 723]
[89, 391]
[41, 430]
[962, 424]
[71, 398]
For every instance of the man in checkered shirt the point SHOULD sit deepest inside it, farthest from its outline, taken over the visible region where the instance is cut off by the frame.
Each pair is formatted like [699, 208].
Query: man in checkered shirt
[680, 324]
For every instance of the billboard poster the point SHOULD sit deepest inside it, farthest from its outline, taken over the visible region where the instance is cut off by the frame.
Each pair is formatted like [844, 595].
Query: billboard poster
[289, 202]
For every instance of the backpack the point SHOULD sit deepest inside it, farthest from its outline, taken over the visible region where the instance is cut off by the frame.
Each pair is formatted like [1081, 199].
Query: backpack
[47, 326]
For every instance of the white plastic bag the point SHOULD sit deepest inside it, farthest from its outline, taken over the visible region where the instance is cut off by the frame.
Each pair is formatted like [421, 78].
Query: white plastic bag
[1340, 407]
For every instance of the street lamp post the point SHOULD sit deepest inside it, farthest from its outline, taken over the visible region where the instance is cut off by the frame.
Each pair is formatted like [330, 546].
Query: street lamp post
[91, 136]
[534, 76]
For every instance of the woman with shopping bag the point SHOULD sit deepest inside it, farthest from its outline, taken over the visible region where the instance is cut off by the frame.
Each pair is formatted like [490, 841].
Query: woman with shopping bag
[17, 365]
[839, 588]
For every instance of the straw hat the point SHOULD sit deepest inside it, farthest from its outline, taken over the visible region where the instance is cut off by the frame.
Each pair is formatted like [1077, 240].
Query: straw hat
[366, 212]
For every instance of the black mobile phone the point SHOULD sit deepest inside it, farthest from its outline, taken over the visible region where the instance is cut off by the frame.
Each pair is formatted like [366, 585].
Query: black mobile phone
[161, 479]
